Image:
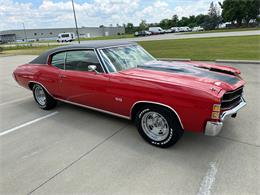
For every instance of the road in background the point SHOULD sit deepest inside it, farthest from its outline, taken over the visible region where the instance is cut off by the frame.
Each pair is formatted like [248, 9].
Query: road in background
[155, 37]
[75, 150]
[191, 36]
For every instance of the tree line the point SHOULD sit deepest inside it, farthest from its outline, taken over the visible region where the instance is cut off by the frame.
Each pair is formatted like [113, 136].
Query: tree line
[238, 12]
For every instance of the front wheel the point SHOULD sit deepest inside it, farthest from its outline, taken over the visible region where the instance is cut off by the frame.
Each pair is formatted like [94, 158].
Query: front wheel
[158, 126]
[43, 99]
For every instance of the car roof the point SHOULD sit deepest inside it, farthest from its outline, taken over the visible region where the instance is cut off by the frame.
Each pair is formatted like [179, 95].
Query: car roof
[42, 59]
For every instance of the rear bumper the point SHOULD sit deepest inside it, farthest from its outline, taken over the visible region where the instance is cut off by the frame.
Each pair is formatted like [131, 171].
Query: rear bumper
[214, 128]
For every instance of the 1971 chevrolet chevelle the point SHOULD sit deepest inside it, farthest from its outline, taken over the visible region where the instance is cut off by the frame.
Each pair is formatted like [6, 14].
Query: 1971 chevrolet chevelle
[121, 78]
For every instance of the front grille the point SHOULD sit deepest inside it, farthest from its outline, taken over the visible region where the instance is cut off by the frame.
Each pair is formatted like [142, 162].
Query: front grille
[231, 98]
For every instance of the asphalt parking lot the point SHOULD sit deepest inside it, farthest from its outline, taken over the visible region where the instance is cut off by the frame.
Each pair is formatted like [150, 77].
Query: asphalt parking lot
[75, 150]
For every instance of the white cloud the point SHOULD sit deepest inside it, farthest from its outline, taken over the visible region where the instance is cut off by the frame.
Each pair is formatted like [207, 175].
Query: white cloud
[155, 12]
[59, 13]
[194, 8]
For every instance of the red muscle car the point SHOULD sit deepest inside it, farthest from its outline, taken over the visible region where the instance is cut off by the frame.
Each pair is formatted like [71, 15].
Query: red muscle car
[121, 78]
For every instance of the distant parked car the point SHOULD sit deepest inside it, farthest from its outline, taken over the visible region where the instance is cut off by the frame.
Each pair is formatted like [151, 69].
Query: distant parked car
[197, 28]
[168, 31]
[66, 37]
[175, 29]
[184, 29]
[156, 30]
[142, 33]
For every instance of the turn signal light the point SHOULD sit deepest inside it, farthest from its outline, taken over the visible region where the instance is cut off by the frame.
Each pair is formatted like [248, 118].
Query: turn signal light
[216, 108]
[215, 115]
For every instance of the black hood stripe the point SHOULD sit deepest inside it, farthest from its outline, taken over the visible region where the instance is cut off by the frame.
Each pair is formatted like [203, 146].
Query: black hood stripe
[192, 70]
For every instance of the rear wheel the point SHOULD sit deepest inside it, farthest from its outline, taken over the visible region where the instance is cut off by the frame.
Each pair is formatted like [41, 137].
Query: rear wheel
[43, 99]
[158, 126]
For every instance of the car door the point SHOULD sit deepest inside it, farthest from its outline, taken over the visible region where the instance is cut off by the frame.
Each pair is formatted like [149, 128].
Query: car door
[50, 75]
[78, 84]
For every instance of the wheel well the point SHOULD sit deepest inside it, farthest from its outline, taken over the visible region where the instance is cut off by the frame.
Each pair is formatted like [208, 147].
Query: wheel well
[31, 84]
[140, 105]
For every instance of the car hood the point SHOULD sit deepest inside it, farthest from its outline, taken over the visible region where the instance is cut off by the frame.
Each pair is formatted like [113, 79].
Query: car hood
[192, 74]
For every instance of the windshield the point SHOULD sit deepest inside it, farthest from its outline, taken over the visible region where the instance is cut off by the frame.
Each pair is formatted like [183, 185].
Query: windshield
[125, 57]
[65, 35]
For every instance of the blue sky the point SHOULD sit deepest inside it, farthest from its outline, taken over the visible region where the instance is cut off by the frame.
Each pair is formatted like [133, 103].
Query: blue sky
[58, 13]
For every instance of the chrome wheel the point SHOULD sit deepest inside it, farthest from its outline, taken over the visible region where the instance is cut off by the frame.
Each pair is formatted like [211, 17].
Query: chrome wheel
[40, 95]
[155, 126]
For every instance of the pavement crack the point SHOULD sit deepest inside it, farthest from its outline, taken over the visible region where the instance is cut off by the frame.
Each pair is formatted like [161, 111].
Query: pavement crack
[78, 159]
[237, 141]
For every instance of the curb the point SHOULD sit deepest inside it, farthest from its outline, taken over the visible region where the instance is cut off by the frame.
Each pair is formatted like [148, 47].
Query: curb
[238, 61]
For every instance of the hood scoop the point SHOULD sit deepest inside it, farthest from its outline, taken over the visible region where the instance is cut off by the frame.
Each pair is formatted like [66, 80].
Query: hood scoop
[193, 70]
[217, 70]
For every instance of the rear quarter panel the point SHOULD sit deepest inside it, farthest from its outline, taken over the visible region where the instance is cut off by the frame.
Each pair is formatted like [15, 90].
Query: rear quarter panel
[44, 74]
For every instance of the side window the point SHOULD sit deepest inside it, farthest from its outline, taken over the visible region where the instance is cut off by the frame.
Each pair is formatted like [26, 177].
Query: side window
[81, 59]
[58, 60]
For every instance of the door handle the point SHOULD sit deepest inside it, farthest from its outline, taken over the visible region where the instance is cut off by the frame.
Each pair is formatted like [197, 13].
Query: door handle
[62, 76]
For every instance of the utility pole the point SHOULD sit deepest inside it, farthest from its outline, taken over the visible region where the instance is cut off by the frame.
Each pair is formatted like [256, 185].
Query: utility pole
[75, 18]
[25, 33]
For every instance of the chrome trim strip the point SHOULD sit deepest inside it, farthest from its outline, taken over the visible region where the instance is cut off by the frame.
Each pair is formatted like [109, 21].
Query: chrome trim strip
[63, 50]
[105, 69]
[229, 92]
[101, 63]
[151, 102]
[65, 57]
[134, 43]
[93, 108]
[233, 110]
[81, 105]
[101, 57]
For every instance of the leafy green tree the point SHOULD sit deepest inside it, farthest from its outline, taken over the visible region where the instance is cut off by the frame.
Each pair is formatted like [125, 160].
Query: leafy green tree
[192, 21]
[165, 23]
[143, 25]
[213, 19]
[252, 8]
[174, 21]
[239, 10]
[129, 26]
[184, 21]
[200, 19]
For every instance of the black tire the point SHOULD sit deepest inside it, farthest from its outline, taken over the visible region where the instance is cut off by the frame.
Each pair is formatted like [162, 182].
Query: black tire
[175, 130]
[49, 102]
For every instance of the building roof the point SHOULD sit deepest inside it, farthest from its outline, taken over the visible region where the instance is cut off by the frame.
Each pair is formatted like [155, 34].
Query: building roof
[42, 59]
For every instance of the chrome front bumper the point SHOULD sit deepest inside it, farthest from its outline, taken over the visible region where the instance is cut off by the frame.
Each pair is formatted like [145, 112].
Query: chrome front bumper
[213, 128]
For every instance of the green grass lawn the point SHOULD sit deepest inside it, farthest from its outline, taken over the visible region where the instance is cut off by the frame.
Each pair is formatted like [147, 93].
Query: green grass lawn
[237, 48]
[34, 50]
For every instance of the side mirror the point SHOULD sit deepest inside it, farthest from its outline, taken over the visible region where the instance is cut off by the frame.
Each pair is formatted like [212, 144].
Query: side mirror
[92, 68]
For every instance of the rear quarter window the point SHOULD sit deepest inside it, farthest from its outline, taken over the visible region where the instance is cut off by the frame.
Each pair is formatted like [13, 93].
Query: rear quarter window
[57, 60]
